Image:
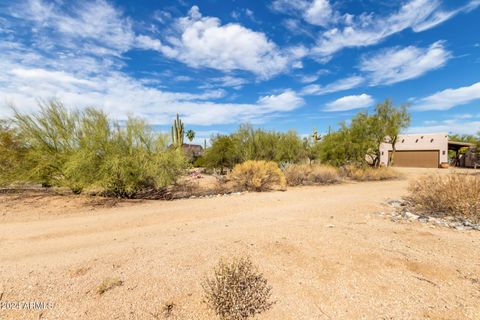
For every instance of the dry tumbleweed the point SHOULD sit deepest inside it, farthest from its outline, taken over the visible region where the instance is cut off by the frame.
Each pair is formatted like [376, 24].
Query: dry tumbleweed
[237, 290]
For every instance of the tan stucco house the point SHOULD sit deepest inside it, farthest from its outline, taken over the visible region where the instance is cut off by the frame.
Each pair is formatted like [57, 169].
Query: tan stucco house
[420, 150]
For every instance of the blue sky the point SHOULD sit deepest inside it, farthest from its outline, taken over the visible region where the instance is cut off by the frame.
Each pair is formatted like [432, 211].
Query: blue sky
[278, 64]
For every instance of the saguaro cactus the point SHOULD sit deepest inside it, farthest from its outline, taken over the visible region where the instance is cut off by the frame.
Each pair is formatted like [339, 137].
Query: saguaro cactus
[315, 135]
[177, 132]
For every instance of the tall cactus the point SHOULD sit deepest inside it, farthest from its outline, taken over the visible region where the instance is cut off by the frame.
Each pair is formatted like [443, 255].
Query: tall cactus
[177, 132]
[315, 135]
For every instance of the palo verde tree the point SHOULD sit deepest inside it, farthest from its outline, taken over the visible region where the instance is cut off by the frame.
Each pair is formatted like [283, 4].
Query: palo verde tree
[12, 154]
[223, 153]
[390, 122]
[86, 150]
[359, 143]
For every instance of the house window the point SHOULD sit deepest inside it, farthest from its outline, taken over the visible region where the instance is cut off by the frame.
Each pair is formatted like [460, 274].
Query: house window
[443, 152]
[382, 153]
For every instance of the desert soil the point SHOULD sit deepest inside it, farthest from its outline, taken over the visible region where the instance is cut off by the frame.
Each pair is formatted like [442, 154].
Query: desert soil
[325, 251]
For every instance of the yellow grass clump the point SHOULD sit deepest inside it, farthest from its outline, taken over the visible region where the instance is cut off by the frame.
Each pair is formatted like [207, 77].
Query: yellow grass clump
[371, 174]
[257, 176]
[455, 195]
[308, 174]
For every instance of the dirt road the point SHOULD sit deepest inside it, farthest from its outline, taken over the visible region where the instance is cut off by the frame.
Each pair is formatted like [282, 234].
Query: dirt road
[324, 250]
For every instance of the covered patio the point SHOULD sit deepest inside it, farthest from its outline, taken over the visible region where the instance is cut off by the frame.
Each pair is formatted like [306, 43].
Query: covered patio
[456, 146]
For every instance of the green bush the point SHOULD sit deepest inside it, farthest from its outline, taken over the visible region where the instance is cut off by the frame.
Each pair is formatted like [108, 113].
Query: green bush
[257, 176]
[248, 143]
[258, 144]
[224, 153]
[50, 136]
[86, 150]
[359, 142]
[12, 154]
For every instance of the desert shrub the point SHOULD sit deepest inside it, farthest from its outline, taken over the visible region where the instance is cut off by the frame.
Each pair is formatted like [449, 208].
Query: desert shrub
[306, 174]
[86, 150]
[455, 195]
[259, 144]
[223, 153]
[237, 290]
[257, 176]
[12, 154]
[199, 162]
[50, 137]
[370, 173]
[122, 161]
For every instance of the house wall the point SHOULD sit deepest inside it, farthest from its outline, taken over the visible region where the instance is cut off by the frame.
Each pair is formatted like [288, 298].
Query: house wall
[411, 142]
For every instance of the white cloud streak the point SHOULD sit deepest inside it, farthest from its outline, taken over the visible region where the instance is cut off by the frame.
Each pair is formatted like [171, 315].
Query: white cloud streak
[369, 29]
[397, 64]
[338, 85]
[449, 98]
[349, 103]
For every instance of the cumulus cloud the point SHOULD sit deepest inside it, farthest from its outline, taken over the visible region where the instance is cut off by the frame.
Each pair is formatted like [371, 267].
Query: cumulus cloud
[398, 64]
[449, 98]
[349, 103]
[319, 13]
[315, 12]
[204, 42]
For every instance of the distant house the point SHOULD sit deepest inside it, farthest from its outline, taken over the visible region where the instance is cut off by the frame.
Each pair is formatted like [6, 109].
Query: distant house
[422, 150]
[193, 150]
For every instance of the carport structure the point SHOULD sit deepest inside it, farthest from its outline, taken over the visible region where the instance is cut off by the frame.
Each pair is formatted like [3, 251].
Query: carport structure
[456, 146]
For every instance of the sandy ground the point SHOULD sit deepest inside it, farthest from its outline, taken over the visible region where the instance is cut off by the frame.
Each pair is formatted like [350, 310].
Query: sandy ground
[324, 250]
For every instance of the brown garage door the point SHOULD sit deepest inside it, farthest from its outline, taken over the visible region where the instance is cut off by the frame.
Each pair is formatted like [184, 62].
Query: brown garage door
[419, 159]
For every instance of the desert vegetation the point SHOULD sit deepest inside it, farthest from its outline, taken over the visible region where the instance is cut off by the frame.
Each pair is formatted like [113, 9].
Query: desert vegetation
[259, 175]
[310, 174]
[369, 173]
[456, 195]
[356, 144]
[237, 290]
[87, 151]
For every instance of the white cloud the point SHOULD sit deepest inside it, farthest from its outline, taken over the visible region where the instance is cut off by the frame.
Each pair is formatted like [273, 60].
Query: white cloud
[204, 42]
[398, 64]
[368, 29]
[120, 95]
[319, 13]
[449, 98]
[339, 85]
[98, 25]
[451, 126]
[315, 12]
[349, 103]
